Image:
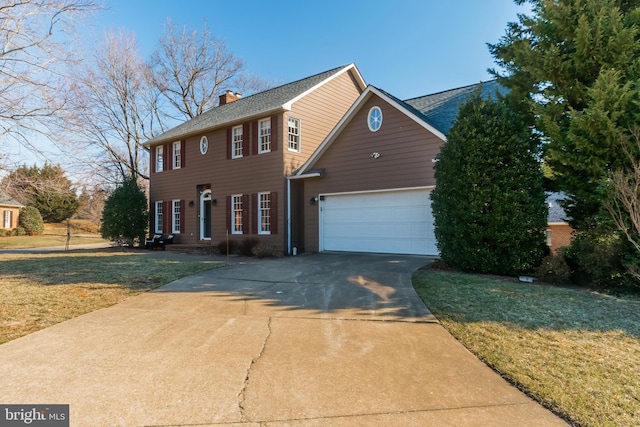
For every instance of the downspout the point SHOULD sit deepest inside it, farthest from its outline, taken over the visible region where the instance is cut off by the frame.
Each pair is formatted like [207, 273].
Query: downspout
[288, 216]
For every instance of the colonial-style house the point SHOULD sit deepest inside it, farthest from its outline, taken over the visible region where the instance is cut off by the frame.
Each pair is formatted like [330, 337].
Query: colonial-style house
[225, 171]
[9, 210]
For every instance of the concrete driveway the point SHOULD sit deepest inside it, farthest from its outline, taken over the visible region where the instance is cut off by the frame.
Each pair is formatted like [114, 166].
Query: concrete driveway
[314, 340]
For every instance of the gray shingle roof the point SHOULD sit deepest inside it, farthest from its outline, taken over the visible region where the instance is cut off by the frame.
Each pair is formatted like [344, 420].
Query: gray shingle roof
[260, 103]
[6, 201]
[440, 109]
[556, 212]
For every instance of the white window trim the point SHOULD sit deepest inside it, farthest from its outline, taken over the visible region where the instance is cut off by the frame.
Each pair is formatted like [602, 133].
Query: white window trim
[158, 224]
[289, 134]
[204, 145]
[260, 230]
[233, 213]
[175, 225]
[234, 154]
[7, 219]
[159, 158]
[177, 155]
[264, 124]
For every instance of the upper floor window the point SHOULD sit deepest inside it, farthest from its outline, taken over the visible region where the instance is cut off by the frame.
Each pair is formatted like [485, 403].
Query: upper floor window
[237, 138]
[264, 213]
[294, 134]
[204, 145]
[236, 214]
[264, 136]
[159, 158]
[176, 217]
[177, 155]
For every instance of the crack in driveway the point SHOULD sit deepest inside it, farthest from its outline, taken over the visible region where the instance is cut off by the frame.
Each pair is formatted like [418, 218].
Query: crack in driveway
[242, 394]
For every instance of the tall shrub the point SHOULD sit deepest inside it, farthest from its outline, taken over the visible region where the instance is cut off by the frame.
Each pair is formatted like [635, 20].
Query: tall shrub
[125, 214]
[31, 220]
[489, 203]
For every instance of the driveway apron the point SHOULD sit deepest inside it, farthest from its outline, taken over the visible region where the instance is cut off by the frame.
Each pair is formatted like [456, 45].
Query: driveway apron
[314, 340]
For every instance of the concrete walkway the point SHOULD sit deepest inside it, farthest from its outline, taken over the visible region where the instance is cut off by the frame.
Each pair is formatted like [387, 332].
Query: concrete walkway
[315, 340]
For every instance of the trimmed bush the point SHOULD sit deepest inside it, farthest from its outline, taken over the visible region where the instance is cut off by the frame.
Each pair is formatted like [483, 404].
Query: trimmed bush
[221, 247]
[596, 260]
[247, 245]
[124, 218]
[30, 221]
[262, 250]
[554, 269]
[489, 203]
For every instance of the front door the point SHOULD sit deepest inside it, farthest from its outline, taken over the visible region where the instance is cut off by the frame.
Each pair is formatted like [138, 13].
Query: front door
[205, 215]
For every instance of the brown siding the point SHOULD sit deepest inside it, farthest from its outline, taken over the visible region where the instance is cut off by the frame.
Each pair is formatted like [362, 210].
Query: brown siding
[318, 112]
[406, 153]
[561, 235]
[14, 216]
[246, 175]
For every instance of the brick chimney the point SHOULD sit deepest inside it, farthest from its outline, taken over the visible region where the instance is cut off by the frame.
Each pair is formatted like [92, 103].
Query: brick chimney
[229, 96]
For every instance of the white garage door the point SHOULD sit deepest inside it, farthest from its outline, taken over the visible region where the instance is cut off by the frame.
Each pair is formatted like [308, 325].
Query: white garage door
[399, 222]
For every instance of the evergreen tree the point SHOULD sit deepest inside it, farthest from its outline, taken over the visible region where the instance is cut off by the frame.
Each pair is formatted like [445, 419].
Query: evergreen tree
[489, 204]
[125, 214]
[573, 66]
[46, 188]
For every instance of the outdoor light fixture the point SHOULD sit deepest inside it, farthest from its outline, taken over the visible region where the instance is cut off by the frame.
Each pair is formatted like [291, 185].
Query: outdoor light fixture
[375, 155]
[191, 203]
[214, 202]
[313, 201]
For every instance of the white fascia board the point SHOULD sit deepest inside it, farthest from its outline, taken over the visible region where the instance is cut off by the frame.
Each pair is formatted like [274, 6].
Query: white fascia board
[346, 69]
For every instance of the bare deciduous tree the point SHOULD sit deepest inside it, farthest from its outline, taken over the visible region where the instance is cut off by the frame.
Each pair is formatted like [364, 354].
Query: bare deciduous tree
[34, 49]
[191, 69]
[623, 203]
[116, 109]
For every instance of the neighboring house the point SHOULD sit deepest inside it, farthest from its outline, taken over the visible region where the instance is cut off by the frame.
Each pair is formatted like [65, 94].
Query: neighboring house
[9, 211]
[224, 172]
[369, 184]
[559, 232]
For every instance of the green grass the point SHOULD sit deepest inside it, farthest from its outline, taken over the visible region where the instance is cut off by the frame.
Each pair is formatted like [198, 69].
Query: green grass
[575, 351]
[82, 232]
[39, 290]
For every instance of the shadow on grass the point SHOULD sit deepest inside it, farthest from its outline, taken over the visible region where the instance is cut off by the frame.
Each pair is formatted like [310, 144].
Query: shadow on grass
[469, 298]
[126, 269]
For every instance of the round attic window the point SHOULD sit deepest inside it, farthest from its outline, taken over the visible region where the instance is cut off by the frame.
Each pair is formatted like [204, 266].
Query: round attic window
[374, 119]
[204, 145]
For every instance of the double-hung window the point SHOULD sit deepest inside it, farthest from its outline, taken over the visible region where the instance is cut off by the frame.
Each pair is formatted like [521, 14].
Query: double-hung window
[7, 219]
[237, 138]
[264, 213]
[294, 134]
[159, 217]
[176, 217]
[236, 214]
[159, 158]
[177, 155]
[264, 136]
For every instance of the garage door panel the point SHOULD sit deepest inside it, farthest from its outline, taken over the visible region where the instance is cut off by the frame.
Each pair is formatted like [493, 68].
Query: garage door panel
[387, 222]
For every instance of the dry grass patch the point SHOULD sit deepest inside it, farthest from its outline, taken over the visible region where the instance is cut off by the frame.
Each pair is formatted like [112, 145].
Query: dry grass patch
[39, 290]
[575, 351]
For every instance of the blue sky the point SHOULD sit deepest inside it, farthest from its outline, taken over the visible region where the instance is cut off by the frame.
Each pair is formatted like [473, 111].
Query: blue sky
[408, 48]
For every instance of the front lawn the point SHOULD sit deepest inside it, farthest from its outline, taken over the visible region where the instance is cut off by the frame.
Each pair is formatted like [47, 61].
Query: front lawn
[39, 290]
[575, 351]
